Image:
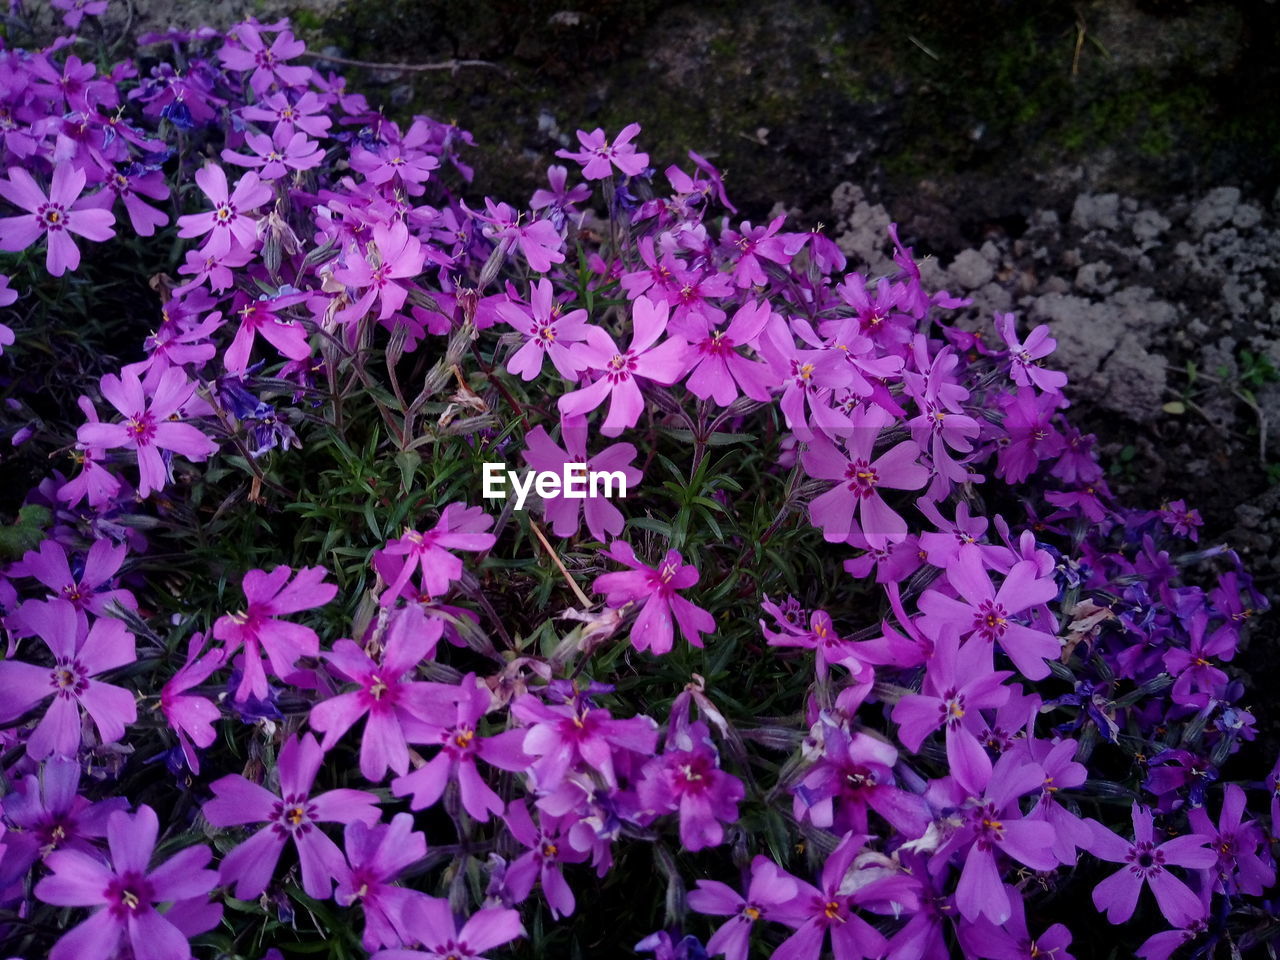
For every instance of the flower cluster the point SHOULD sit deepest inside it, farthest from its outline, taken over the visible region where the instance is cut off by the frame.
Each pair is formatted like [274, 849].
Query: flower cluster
[264, 607]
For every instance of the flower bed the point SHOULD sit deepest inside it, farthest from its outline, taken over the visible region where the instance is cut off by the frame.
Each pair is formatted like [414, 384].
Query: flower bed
[880, 667]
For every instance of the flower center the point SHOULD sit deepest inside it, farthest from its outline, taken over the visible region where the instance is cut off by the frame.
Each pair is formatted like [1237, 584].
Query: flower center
[69, 678]
[862, 478]
[52, 216]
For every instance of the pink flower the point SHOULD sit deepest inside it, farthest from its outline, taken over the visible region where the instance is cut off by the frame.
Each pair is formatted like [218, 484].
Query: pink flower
[687, 777]
[57, 216]
[987, 613]
[618, 370]
[258, 629]
[460, 747]
[1146, 863]
[1026, 372]
[654, 589]
[859, 480]
[79, 655]
[549, 849]
[561, 736]
[189, 715]
[267, 63]
[149, 426]
[228, 224]
[549, 332]
[769, 889]
[130, 187]
[432, 924]
[565, 514]
[276, 154]
[598, 157]
[259, 316]
[720, 372]
[126, 890]
[399, 707]
[376, 854]
[393, 255]
[460, 528]
[294, 815]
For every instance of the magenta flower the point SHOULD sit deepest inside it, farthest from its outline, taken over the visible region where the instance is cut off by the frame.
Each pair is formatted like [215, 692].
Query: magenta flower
[687, 777]
[460, 528]
[1026, 371]
[816, 912]
[770, 888]
[267, 63]
[125, 891]
[149, 426]
[79, 656]
[598, 156]
[985, 612]
[1240, 870]
[748, 248]
[565, 514]
[192, 716]
[665, 363]
[431, 923]
[859, 481]
[958, 683]
[130, 187]
[654, 589]
[259, 317]
[229, 225]
[720, 372]
[549, 849]
[560, 736]
[90, 592]
[377, 854]
[258, 629]
[50, 815]
[307, 113]
[393, 255]
[77, 10]
[992, 821]
[293, 815]
[1146, 863]
[57, 216]
[399, 708]
[276, 154]
[549, 332]
[1012, 940]
[460, 747]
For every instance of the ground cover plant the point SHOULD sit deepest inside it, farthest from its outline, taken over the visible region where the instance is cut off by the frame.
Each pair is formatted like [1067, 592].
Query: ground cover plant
[868, 662]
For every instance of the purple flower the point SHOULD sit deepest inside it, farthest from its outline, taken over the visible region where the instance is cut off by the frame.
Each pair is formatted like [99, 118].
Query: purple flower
[399, 708]
[258, 629]
[79, 656]
[665, 364]
[1235, 840]
[50, 815]
[720, 372]
[1026, 372]
[49, 565]
[985, 612]
[229, 226]
[654, 589]
[548, 331]
[565, 514]
[1146, 863]
[562, 736]
[830, 909]
[149, 425]
[460, 747]
[687, 777]
[460, 528]
[860, 480]
[192, 716]
[267, 63]
[57, 216]
[431, 923]
[259, 317]
[770, 888]
[598, 156]
[294, 815]
[549, 849]
[376, 855]
[125, 891]
[276, 154]
[77, 10]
